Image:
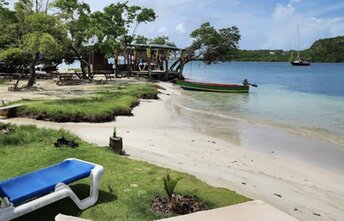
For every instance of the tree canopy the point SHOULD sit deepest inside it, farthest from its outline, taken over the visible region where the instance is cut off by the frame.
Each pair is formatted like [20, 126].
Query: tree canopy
[111, 27]
[36, 37]
[211, 45]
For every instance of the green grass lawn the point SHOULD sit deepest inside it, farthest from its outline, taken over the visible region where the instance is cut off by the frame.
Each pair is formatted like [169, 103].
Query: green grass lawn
[126, 190]
[104, 105]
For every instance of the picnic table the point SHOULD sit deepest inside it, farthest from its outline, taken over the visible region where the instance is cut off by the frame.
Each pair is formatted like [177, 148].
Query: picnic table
[63, 77]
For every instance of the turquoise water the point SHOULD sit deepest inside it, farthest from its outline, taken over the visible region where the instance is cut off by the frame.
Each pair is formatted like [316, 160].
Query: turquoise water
[305, 100]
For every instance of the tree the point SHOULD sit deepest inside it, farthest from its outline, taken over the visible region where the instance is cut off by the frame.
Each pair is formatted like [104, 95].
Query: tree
[76, 17]
[210, 45]
[8, 36]
[111, 27]
[39, 36]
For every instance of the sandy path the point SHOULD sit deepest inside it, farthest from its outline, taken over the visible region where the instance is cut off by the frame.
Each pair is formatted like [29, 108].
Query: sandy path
[157, 135]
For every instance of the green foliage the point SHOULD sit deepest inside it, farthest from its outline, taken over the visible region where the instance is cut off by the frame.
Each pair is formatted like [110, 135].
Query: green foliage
[146, 15]
[327, 50]
[170, 185]
[75, 16]
[139, 39]
[211, 45]
[111, 27]
[12, 54]
[33, 36]
[8, 28]
[323, 50]
[25, 135]
[162, 40]
[263, 55]
[44, 44]
[126, 189]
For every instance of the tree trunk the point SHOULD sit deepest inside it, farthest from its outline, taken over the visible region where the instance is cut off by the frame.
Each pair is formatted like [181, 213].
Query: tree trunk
[83, 64]
[32, 79]
[82, 67]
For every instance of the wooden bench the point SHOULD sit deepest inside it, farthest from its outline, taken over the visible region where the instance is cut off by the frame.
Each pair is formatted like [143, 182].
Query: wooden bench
[67, 77]
[109, 76]
[10, 111]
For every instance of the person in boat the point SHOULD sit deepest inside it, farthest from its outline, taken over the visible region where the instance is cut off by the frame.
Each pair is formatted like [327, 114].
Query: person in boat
[245, 82]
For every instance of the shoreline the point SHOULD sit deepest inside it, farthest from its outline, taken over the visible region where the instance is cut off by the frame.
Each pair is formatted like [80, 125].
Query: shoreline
[267, 139]
[158, 134]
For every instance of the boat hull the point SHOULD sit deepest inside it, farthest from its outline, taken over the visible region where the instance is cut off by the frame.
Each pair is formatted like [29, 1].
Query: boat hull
[302, 63]
[210, 87]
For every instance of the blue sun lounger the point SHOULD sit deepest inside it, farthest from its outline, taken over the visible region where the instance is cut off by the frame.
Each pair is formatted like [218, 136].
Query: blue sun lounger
[28, 192]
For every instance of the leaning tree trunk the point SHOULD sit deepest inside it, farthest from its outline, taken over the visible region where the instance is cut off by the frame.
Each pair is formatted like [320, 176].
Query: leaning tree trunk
[32, 79]
[83, 66]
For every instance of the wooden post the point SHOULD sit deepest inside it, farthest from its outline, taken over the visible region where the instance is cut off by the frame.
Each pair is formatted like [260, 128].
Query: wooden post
[157, 67]
[116, 58]
[116, 144]
[149, 62]
[135, 59]
[167, 57]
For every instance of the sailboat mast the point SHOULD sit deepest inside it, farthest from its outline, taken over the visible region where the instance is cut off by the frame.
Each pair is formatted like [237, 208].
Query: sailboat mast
[298, 42]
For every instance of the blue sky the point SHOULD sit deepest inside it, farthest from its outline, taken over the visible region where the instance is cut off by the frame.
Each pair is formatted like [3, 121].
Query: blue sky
[263, 24]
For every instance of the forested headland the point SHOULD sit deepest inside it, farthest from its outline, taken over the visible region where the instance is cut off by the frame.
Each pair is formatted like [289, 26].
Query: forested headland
[322, 50]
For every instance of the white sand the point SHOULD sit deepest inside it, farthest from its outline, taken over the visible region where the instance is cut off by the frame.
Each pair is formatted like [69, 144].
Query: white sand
[157, 135]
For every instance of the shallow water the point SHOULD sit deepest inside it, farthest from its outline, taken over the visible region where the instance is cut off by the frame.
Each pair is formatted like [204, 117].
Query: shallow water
[303, 100]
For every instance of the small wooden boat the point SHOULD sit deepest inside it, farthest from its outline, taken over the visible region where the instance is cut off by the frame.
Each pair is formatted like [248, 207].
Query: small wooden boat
[212, 87]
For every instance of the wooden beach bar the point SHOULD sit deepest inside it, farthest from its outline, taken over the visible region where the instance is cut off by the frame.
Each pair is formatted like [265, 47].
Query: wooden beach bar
[152, 61]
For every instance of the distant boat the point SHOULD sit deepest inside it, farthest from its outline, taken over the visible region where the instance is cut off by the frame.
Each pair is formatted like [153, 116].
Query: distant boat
[299, 61]
[212, 87]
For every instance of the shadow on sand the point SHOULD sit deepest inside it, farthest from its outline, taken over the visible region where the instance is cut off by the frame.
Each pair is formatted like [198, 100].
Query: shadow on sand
[66, 206]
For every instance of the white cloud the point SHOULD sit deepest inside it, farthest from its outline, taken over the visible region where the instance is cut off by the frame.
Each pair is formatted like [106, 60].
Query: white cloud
[283, 11]
[181, 27]
[262, 25]
[281, 31]
[337, 29]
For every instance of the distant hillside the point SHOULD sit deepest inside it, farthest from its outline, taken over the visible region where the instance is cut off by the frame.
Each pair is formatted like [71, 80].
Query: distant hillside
[323, 50]
[327, 50]
[262, 55]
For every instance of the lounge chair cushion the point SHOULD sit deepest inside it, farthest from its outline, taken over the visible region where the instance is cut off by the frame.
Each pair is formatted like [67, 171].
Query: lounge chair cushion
[31, 185]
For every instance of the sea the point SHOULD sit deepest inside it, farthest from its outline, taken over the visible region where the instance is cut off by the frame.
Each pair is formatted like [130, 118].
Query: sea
[305, 100]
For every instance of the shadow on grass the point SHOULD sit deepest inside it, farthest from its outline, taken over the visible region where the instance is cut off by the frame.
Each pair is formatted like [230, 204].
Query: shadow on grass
[66, 206]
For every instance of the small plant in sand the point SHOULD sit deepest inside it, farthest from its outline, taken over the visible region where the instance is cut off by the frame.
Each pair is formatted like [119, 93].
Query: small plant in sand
[114, 132]
[175, 203]
[170, 186]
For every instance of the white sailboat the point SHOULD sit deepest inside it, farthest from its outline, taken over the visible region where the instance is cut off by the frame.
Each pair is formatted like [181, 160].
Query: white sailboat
[299, 61]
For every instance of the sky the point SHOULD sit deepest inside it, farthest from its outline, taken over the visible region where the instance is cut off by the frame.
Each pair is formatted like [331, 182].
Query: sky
[263, 24]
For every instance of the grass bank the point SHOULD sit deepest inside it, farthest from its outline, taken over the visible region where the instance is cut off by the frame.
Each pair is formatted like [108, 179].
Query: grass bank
[104, 105]
[126, 190]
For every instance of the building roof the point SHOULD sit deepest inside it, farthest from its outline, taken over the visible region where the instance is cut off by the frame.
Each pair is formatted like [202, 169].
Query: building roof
[157, 46]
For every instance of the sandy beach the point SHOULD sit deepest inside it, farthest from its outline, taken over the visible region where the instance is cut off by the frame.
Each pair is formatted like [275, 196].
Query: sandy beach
[162, 133]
